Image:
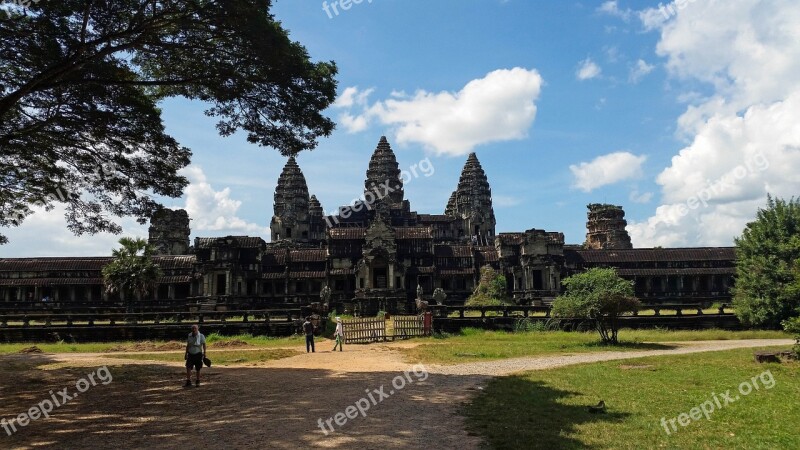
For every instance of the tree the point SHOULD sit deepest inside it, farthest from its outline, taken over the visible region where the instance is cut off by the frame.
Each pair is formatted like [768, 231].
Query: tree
[491, 290]
[79, 121]
[767, 287]
[793, 326]
[600, 295]
[132, 273]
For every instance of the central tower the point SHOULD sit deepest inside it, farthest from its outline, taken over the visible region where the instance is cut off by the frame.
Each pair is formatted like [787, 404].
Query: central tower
[383, 176]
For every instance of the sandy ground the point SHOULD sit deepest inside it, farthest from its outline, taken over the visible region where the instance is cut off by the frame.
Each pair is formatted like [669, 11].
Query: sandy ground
[278, 404]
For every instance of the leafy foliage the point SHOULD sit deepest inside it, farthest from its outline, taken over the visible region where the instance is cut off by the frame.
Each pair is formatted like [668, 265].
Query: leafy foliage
[768, 266]
[79, 121]
[491, 290]
[793, 326]
[598, 294]
[133, 271]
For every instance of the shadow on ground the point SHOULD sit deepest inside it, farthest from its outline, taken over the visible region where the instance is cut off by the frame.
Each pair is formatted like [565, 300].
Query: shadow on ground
[516, 412]
[146, 406]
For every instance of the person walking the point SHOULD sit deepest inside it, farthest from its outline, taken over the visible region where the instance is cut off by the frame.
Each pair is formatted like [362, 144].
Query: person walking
[339, 335]
[195, 352]
[308, 329]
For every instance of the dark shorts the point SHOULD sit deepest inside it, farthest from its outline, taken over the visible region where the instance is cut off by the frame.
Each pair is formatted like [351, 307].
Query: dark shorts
[195, 361]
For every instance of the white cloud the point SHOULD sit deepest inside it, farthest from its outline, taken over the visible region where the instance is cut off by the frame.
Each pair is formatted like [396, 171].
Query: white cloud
[611, 7]
[744, 138]
[498, 107]
[637, 197]
[607, 169]
[640, 70]
[212, 210]
[588, 69]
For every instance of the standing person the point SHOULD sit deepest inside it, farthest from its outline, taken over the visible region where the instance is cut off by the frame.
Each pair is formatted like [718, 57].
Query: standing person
[339, 335]
[308, 329]
[195, 352]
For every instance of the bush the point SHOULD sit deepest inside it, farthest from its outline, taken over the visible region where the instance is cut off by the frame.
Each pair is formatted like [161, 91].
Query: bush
[527, 325]
[793, 326]
[491, 290]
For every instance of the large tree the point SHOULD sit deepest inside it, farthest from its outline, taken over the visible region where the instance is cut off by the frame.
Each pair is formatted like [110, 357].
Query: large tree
[768, 265]
[600, 295]
[80, 82]
[491, 289]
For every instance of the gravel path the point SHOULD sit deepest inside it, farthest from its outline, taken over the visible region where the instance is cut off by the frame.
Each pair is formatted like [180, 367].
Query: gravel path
[508, 366]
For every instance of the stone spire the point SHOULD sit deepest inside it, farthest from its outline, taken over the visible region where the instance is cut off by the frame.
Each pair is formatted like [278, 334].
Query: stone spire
[383, 168]
[472, 201]
[316, 220]
[290, 220]
[605, 228]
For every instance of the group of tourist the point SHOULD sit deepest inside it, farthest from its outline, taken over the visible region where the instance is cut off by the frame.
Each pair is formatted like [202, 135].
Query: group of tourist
[309, 328]
[195, 355]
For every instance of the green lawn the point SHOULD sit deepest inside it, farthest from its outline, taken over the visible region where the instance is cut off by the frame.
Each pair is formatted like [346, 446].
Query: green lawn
[220, 358]
[549, 409]
[480, 345]
[96, 347]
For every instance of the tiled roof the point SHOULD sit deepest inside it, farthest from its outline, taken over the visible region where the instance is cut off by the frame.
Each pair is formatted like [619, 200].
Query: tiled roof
[452, 251]
[677, 271]
[511, 238]
[308, 255]
[413, 233]
[655, 254]
[489, 255]
[49, 281]
[236, 241]
[347, 233]
[52, 264]
[68, 264]
[274, 259]
[273, 275]
[175, 261]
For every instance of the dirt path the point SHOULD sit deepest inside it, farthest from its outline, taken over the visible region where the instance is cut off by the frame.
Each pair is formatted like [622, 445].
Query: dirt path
[279, 404]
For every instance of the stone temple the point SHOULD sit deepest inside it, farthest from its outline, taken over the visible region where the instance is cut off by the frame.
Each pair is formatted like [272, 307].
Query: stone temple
[374, 254]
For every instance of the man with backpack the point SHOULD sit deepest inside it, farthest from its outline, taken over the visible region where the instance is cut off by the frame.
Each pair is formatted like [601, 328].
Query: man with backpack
[308, 329]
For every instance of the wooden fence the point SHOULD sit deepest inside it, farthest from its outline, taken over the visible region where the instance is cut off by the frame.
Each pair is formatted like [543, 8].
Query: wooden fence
[367, 330]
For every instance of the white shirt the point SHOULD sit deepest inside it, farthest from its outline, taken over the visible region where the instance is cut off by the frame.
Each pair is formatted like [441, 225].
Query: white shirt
[195, 343]
[339, 329]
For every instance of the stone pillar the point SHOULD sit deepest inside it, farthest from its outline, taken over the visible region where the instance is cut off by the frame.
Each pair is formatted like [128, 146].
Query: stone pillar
[171, 291]
[391, 276]
[36, 294]
[72, 293]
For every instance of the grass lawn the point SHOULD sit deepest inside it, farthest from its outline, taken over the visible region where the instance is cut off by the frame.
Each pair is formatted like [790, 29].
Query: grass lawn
[97, 347]
[479, 345]
[220, 358]
[549, 409]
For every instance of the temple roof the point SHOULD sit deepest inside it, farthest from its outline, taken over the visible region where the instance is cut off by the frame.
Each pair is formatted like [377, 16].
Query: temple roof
[473, 193]
[291, 193]
[653, 255]
[383, 168]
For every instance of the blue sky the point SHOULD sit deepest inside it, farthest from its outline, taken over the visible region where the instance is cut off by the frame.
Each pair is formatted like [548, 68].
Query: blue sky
[565, 103]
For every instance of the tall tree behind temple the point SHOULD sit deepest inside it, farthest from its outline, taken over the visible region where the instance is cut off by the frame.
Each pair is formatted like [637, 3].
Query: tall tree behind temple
[132, 273]
[768, 265]
[80, 82]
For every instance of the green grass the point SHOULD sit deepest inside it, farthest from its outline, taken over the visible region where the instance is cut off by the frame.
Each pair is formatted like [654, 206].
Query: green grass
[220, 358]
[479, 345]
[549, 409]
[97, 347]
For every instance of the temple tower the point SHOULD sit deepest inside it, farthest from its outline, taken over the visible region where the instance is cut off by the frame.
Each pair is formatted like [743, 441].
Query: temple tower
[291, 216]
[383, 176]
[605, 228]
[169, 232]
[316, 220]
[472, 203]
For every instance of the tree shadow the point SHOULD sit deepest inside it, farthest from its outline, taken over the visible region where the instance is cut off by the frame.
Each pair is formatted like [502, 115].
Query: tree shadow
[516, 412]
[146, 406]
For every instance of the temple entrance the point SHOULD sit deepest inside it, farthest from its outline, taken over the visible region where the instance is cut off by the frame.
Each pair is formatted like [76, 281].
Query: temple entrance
[379, 278]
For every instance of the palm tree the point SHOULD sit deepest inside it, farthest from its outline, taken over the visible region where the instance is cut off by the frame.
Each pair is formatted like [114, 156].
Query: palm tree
[132, 272]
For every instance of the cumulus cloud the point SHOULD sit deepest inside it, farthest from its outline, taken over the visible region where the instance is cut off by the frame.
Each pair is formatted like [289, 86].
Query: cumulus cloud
[744, 139]
[606, 169]
[640, 70]
[588, 69]
[498, 107]
[212, 210]
[637, 197]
